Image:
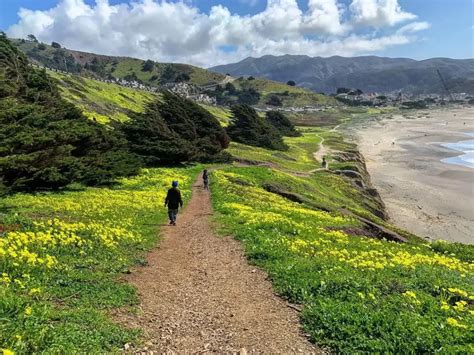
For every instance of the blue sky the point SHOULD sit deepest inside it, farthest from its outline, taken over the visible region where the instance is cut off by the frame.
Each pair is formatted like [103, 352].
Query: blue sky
[444, 28]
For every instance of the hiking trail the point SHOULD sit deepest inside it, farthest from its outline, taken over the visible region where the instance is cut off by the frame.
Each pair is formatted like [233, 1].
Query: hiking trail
[198, 294]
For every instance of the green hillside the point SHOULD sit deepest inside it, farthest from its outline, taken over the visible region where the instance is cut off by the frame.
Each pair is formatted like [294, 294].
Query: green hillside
[99, 100]
[105, 67]
[156, 74]
[291, 96]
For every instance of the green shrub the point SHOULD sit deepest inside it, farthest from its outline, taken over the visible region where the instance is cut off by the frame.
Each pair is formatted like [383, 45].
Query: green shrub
[282, 124]
[175, 130]
[248, 128]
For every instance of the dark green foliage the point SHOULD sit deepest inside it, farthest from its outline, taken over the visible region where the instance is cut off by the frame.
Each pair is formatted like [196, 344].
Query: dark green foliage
[230, 88]
[175, 130]
[175, 73]
[282, 124]
[250, 78]
[169, 74]
[64, 61]
[132, 77]
[148, 65]
[183, 77]
[32, 38]
[274, 100]
[416, 105]
[229, 95]
[248, 96]
[46, 142]
[41, 46]
[291, 83]
[97, 66]
[55, 45]
[248, 128]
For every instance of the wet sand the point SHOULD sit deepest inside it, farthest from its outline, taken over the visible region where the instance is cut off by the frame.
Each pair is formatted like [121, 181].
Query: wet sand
[423, 195]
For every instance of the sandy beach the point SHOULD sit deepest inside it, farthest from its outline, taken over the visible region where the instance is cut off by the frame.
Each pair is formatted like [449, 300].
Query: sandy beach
[423, 195]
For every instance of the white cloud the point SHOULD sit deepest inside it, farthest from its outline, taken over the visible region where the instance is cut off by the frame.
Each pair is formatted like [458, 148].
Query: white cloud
[414, 27]
[378, 13]
[324, 16]
[179, 32]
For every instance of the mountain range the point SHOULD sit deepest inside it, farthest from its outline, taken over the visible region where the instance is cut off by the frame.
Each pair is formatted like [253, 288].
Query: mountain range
[368, 73]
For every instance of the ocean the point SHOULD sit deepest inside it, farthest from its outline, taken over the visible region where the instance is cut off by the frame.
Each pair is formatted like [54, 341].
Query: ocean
[467, 149]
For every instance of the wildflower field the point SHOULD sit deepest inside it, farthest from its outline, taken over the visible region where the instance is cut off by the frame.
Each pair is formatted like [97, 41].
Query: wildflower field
[61, 255]
[102, 101]
[359, 294]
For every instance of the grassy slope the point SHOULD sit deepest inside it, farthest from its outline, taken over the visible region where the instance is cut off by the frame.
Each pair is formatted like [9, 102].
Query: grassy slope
[65, 254]
[295, 97]
[100, 100]
[124, 65]
[360, 294]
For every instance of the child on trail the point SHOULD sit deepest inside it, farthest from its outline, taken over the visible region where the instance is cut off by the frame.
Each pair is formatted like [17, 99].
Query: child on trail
[205, 179]
[173, 201]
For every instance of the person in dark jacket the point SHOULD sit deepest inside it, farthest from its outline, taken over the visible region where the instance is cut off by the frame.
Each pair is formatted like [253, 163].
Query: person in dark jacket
[205, 179]
[173, 201]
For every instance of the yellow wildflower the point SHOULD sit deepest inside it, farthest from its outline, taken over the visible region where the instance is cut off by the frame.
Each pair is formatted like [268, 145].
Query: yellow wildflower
[458, 291]
[453, 322]
[444, 305]
[28, 311]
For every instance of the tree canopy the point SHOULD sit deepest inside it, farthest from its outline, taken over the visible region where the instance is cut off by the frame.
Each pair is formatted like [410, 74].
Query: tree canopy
[174, 130]
[46, 142]
[282, 124]
[248, 128]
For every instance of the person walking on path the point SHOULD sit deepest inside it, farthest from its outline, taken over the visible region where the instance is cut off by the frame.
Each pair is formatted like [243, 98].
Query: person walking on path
[173, 201]
[205, 179]
[324, 163]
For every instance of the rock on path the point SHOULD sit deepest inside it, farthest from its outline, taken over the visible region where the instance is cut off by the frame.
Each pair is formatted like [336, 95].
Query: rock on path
[199, 294]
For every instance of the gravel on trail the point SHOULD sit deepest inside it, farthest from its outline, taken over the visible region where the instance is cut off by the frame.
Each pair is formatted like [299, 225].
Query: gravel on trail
[198, 294]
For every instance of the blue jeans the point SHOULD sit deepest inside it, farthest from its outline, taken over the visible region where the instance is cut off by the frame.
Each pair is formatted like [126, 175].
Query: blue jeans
[172, 215]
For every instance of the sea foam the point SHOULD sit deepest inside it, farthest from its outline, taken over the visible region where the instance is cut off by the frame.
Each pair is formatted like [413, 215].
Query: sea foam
[465, 159]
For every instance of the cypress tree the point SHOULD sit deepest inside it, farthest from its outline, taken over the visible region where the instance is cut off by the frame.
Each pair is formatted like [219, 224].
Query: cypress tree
[47, 143]
[248, 128]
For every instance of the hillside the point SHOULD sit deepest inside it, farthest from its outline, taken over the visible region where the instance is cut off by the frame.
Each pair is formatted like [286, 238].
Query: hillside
[290, 96]
[102, 66]
[153, 74]
[99, 100]
[370, 73]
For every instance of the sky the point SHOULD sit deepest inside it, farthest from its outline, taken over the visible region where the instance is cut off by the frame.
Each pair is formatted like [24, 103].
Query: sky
[212, 32]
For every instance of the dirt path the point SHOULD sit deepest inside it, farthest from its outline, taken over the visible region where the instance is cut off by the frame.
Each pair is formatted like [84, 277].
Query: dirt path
[321, 152]
[198, 294]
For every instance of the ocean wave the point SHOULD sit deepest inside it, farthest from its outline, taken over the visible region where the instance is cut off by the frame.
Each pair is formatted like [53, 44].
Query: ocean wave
[467, 147]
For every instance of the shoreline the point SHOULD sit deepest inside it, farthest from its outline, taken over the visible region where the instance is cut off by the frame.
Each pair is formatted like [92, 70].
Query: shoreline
[422, 194]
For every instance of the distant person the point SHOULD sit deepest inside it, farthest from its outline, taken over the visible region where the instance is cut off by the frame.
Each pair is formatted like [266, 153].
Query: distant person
[324, 163]
[205, 179]
[173, 201]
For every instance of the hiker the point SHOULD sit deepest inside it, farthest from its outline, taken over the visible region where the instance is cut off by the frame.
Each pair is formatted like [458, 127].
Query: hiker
[173, 201]
[324, 163]
[205, 179]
